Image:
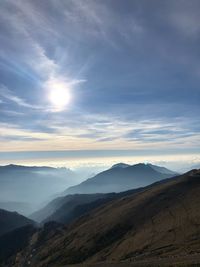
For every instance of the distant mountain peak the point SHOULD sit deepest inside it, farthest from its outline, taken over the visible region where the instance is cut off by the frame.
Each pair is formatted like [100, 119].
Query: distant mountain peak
[120, 165]
[11, 166]
[24, 167]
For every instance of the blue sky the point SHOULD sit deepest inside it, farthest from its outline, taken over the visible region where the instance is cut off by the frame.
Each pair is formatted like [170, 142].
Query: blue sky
[131, 69]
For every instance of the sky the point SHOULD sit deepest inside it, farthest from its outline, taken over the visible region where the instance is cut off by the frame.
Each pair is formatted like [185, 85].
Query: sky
[102, 81]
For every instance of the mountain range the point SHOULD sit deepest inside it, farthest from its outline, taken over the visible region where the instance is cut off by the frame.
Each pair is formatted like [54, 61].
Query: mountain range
[157, 224]
[20, 184]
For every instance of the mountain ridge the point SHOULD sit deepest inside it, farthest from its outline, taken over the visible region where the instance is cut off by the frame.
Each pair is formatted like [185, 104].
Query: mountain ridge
[118, 179]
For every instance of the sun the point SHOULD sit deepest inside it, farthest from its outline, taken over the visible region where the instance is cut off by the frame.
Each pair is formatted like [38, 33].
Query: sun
[59, 96]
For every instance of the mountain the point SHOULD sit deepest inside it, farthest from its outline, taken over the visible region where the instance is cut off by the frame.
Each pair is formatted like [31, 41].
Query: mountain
[21, 184]
[160, 224]
[121, 177]
[12, 220]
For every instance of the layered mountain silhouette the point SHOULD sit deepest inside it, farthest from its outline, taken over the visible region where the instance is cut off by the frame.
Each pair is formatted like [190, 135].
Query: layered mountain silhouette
[159, 223]
[19, 186]
[121, 177]
[12, 220]
[64, 209]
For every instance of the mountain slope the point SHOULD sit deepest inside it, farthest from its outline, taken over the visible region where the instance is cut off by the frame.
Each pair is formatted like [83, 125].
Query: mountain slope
[163, 220]
[66, 209]
[162, 169]
[118, 179]
[62, 206]
[15, 241]
[12, 220]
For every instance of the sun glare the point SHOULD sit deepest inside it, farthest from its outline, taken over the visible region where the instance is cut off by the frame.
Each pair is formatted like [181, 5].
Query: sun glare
[59, 96]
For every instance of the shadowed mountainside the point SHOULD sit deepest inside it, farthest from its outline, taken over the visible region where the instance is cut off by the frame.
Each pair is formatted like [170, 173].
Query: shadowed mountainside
[62, 206]
[160, 221]
[12, 220]
[66, 209]
[15, 241]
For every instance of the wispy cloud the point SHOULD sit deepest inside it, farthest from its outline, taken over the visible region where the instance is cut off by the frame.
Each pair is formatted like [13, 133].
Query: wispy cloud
[107, 134]
[8, 95]
[12, 130]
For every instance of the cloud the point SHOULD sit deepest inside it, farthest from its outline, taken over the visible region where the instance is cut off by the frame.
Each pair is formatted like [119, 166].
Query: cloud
[7, 94]
[100, 133]
[25, 50]
[12, 113]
